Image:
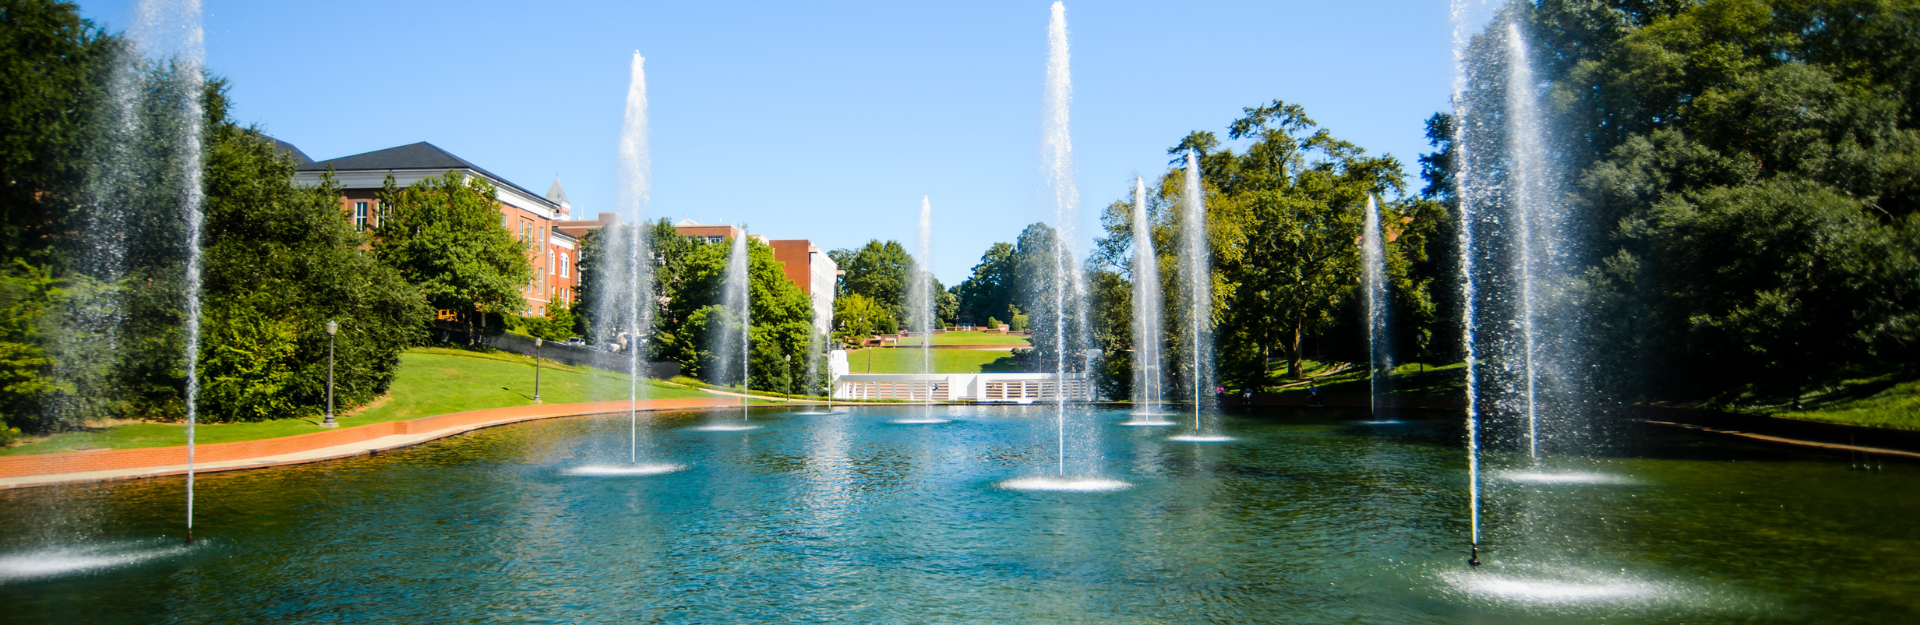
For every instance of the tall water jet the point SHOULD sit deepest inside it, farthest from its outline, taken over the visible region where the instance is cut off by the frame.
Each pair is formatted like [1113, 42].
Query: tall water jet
[1521, 316]
[920, 305]
[732, 336]
[1196, 276]
[1057, 155]
[636, 180]
[922, 298]
[1148, 331]
[1062, 304]
[623, 300]
[1374, 258]
[1532, 203]
[165, 33]
[1467, 201]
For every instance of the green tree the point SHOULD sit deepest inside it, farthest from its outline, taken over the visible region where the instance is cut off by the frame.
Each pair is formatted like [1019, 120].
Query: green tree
[280, 262]
[859, 317]
[880, 270]
[445, 236]
[53, 70]
[781, 314]
[1292, 207]
[989, 290]
[1747, 172]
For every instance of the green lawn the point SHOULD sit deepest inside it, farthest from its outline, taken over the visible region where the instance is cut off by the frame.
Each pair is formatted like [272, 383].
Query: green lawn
[1876, 402]
[888, 360]
[968, 338]
[1408, 380]
[431, 381]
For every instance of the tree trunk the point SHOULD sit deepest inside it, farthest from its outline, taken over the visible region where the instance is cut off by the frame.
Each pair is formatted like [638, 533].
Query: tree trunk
[1294, 356]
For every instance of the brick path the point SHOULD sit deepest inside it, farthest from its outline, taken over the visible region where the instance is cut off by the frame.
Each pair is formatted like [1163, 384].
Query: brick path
[124, 464]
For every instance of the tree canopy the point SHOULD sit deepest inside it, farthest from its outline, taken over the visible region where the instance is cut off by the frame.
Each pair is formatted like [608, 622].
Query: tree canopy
[1751, 170]
[444, 235]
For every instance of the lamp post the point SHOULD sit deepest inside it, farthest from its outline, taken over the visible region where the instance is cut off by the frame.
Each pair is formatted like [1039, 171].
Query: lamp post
[333, 329]
[789, 378]
[536, 369]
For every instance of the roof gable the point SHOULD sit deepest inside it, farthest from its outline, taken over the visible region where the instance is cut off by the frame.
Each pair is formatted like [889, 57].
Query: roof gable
[420, 155]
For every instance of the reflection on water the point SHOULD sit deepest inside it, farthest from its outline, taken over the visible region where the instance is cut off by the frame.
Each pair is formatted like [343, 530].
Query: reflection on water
[1308, 516]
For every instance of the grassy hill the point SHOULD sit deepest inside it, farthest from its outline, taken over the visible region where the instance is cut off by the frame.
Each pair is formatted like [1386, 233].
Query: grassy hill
[888, 360]
[968, 338]
[431, 381]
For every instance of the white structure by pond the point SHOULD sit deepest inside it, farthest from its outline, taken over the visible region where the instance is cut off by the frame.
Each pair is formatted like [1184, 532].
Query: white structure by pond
[1021, 388]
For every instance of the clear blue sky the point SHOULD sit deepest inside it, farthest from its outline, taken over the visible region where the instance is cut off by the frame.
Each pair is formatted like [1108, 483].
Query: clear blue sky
[823, 121]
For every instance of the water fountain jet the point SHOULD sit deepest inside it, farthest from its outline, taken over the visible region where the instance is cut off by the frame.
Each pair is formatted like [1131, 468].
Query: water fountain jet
[1057, 160]
[1197, 274]
[1148, 332]
[737, 297]
[625, 299]
[920, 302]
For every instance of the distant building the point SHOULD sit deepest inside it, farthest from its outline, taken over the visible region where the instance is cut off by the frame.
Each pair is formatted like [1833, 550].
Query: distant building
[814, 272]
[805, 265]
[543, 222]
[529, 216]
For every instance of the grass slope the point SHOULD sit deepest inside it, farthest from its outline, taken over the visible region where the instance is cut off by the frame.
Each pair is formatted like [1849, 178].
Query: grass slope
[1884, 402]
[1408, 380]
[431, 381]
[944, 361]
[968, 338]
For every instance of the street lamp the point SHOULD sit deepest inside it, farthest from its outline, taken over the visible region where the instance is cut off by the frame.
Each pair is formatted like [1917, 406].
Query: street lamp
[536, 369]
[789, 378]
[333, 329]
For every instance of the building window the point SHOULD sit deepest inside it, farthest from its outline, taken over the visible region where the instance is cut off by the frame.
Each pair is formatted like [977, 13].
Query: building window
[553, 265]
[381, 208]
[563, 265]
[359, 216]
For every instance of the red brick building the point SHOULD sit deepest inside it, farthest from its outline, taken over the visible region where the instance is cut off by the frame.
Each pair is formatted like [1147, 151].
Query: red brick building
[529, 216]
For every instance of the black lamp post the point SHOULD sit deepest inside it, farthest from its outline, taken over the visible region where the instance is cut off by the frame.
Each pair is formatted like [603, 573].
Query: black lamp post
[333, 329]
[536, 369]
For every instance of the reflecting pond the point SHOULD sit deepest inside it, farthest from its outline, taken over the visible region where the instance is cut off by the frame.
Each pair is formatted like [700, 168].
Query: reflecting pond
[1309, 516]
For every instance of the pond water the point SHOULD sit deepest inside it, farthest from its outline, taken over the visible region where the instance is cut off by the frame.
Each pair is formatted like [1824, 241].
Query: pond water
[1308, 516]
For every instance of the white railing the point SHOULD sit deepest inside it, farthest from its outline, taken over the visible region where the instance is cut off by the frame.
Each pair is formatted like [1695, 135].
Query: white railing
[980, 387]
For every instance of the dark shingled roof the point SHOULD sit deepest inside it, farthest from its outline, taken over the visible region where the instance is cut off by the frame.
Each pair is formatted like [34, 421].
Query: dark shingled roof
[420, 155]
[300, 160]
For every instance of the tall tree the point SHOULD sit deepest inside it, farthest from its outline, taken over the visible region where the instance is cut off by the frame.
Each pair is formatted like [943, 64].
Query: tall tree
[1293, 205]
[445, 236]
[881, 271]
[988, 292]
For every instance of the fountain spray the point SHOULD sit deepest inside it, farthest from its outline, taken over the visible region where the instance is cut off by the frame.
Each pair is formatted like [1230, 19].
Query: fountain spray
[171, 30]
[923, 291]
[635, 186]
[1466, 196]
[1148, 308]
[1057, 156]
[740, 295]
[1528, 160]
[1199, 277]
[1373, 249]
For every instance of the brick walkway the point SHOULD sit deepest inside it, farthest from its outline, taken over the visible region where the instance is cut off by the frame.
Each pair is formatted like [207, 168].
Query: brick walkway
[125, 464]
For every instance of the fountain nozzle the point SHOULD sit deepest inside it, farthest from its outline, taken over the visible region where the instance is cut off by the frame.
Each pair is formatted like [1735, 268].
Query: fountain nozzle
[1474, 560]
[189, 535]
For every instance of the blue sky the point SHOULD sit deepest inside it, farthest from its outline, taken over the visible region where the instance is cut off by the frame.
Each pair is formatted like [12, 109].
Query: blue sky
[823, 121]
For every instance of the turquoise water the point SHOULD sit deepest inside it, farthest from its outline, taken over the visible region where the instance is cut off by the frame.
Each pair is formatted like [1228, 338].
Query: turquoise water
[1309, 517]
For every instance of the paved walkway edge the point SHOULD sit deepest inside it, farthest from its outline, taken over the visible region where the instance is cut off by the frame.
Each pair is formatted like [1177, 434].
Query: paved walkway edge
[129, 464]
[1789, 441]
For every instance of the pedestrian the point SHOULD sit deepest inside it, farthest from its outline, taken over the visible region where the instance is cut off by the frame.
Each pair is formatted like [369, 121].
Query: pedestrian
[1313, 393]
